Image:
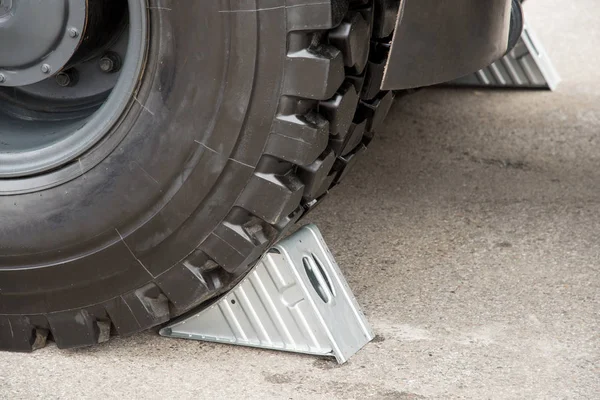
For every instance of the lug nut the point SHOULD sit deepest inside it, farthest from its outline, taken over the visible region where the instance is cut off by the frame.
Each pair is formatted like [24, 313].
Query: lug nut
[110, 63]
[67, 78]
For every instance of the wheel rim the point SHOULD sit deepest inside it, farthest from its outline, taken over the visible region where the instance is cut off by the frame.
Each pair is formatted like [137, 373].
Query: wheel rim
[58, 99]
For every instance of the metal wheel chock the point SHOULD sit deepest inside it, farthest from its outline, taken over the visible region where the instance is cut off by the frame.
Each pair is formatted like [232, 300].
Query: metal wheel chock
[295, 299]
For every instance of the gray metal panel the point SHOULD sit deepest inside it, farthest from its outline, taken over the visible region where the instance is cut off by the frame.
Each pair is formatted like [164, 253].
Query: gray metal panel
[526, 66]
[295, 299]
[436, 41]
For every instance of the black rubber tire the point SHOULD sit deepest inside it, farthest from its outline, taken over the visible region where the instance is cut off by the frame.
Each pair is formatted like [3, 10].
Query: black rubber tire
[243, 121]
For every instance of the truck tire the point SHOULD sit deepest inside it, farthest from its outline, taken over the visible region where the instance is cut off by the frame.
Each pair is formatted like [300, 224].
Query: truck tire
[236, 123]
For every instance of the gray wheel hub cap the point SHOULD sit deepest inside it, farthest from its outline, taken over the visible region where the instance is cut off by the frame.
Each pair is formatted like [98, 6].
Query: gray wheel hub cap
[37, 38]
[48, 122]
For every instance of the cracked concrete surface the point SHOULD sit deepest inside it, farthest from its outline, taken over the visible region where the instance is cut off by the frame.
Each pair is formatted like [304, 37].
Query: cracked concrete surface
[470, 235]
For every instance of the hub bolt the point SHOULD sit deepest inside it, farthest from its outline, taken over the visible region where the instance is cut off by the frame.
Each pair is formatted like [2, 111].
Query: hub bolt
[67, 78]
[5, 6]
[46, 68]
[110, 63]
[73, 32]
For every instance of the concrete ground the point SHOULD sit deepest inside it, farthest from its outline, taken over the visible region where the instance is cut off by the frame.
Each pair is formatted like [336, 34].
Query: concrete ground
[470, 235]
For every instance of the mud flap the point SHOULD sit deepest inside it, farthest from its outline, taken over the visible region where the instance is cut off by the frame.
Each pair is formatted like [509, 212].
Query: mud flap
[437, 41]
[526, 66]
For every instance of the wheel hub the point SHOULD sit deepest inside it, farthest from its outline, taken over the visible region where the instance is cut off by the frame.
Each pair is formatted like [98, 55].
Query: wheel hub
[38, 38]
[68, 69]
